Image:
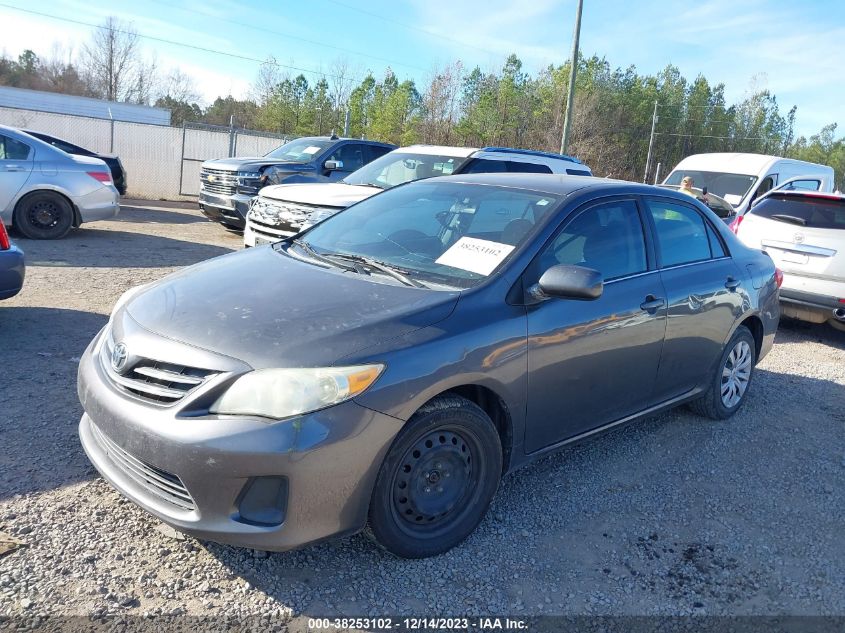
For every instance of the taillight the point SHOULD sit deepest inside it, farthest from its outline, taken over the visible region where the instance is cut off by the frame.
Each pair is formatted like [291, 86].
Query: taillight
[734, 225]
[102, 176]
[5, 244]
[778, 277]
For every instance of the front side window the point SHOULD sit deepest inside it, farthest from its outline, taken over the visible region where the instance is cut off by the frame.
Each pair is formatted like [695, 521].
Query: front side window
[11, 149]
[454, 234]
[682, 233]
[607, 238]
[302, 150]
[351, 155]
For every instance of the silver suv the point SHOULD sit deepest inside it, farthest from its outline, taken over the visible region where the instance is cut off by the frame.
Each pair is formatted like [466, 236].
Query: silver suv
[44, 192]
[283, 210]
[804, 233]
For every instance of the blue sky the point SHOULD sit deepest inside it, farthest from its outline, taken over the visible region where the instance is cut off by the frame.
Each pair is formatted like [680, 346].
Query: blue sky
[796, 50]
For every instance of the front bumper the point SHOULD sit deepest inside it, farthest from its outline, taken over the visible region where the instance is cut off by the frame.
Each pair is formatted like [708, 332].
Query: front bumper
[101, 204]
[12, 272]
[230, 210]
[328, 460]
[257, 234]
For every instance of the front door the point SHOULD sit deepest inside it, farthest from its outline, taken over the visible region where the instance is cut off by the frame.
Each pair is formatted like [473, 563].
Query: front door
[15, 167]
[593, 362]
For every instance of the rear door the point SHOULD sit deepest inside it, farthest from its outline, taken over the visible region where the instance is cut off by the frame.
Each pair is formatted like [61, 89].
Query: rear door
[16, 160]
[805, 236]
[704, 291]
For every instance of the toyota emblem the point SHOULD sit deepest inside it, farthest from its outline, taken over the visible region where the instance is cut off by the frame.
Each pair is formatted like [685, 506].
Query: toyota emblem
[119, 356]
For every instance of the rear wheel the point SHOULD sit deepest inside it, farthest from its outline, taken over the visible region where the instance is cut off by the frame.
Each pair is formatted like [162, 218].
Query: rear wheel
[437, 481]
[728, 388]
[44, 215]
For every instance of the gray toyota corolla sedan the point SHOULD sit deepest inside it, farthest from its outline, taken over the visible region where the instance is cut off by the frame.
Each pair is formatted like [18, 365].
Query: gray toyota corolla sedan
[384, 368]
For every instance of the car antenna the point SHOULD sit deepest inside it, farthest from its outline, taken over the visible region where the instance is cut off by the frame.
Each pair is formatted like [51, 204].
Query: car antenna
[333, 136]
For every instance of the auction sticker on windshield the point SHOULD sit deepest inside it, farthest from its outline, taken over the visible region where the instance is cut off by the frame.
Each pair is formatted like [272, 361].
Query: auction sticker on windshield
[311, 150]
[474, 255]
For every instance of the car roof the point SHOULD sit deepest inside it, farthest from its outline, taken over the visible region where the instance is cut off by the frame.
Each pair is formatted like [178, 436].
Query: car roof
[559, 184]
[735, 162]
[530, 152]
[443, 150]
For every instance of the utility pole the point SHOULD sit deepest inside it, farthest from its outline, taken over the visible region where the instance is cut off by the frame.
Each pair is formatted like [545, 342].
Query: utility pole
[573, 67]
[650, 143]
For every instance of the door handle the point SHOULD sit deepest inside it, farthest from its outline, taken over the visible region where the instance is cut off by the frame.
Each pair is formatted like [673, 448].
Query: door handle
[652, 304]
[732, 284]
[14, 168]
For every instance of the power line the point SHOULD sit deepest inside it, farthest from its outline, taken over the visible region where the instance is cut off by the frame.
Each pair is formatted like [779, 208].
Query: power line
[411, 27]
[732, 138]
[290, 36]
[182, 44]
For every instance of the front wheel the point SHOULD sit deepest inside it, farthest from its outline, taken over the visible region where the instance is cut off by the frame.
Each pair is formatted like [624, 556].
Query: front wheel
[437, 480]
[727, 390]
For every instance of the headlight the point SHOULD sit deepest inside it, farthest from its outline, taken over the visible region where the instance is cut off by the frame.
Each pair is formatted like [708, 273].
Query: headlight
[125, 297]
[281, 393]
[249, 174]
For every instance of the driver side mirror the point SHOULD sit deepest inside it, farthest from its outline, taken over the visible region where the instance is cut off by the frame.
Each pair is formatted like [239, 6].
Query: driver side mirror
[333, 165]
[568, 282]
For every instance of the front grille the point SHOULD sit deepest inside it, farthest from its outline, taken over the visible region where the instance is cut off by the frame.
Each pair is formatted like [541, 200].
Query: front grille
[152, 380]
[157, 482]
[219, 181]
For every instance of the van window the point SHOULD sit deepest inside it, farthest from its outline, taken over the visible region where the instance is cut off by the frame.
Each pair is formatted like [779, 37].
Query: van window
[732, 187]
[766, 185]
[803, 185]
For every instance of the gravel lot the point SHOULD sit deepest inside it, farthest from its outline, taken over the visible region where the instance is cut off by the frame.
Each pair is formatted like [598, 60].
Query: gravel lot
[673, 515]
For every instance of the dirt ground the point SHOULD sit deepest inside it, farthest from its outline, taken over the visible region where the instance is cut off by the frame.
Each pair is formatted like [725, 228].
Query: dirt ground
[672, 515]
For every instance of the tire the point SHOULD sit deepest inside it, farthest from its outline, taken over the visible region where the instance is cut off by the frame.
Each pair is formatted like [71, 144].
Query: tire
[437, 480]
[729, 386]
[44, 215]
[837, 325]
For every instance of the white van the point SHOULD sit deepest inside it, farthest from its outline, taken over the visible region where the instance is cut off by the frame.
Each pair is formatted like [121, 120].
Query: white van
[740, 178]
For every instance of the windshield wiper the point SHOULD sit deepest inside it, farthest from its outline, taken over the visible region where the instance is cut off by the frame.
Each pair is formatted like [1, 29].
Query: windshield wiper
[372, 184]
[305, 246]
[789, 218]
[381, 266]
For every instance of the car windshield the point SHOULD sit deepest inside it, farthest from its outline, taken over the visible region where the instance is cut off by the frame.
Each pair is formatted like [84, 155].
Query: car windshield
[731, 187]
[397, 168]
[302, 150]
[439, 233]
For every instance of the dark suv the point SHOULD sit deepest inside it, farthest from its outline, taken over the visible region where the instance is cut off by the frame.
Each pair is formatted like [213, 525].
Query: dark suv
[227, 185]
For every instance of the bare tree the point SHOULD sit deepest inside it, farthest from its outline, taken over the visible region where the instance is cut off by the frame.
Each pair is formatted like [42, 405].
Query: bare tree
[178, 86]
[111, 61]
[269, 76]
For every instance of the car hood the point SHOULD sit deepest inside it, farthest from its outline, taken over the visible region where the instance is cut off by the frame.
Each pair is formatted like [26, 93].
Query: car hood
[327, 194]
[236, 164]
[270, 310]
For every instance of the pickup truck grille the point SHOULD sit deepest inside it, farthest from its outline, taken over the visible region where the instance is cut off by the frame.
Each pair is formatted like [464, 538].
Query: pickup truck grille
[151, 380]
[219, 181]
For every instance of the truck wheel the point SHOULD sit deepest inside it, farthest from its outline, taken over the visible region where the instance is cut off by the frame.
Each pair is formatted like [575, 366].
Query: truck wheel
[43, 215]
[437, 481]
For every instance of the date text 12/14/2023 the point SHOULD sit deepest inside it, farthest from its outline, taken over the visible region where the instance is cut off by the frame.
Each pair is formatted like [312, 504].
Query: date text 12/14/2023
[417, 624]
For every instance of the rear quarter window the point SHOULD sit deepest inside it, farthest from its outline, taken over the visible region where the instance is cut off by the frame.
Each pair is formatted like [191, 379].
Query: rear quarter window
[812, 212]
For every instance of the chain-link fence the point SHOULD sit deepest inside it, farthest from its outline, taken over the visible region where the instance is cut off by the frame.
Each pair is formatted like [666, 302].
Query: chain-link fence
[161, 162]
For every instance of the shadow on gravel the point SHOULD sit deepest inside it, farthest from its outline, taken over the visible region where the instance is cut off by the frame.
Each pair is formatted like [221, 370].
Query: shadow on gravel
[820, 332]
[41, 411]
[98, 248]
[143, 215]
[674, 505]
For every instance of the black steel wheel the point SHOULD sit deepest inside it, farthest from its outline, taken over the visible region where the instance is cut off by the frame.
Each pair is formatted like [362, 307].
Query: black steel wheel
[437, 480]
[43, 215]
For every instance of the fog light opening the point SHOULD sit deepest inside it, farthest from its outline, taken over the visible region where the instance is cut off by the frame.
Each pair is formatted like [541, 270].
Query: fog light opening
[263, 501]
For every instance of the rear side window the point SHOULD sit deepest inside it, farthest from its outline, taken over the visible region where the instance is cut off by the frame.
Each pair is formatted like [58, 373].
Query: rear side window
[490, 166]
[683, 236]
[802, 185]
[10, 149]
[377, 151]
[578, 172]
[809, 211]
